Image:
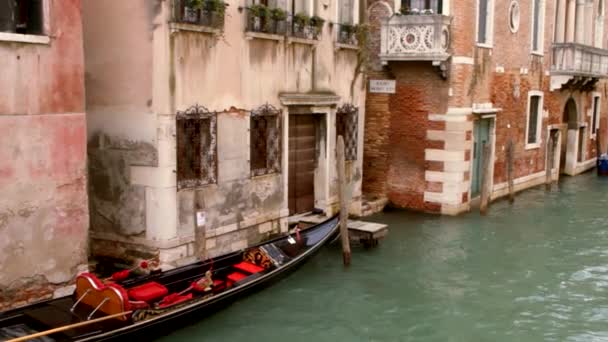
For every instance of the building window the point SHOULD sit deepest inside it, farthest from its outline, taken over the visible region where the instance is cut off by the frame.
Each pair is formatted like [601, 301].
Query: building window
[347, 127]
[599, 25]
[265, 141]
[484, 21]
[514, 16]
[535, 110]
[422, 6]
[537, 25]
[595, 119]
[22, 16]
[201, 12]
[196, 147]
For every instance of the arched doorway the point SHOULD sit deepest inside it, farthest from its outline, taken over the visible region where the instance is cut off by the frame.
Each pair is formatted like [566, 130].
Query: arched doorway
[568, 153]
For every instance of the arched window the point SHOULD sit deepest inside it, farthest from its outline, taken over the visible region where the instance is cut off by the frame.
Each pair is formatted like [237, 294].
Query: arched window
[417, 6]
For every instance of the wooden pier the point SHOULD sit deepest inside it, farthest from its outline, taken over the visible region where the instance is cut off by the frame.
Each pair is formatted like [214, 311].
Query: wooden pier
[365, 233]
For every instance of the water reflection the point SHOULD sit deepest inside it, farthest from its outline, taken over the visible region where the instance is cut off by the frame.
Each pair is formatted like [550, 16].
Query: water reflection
[532, 271]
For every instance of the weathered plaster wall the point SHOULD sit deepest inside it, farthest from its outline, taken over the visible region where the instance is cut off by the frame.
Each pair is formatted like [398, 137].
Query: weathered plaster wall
[43, 209]
[170, 68]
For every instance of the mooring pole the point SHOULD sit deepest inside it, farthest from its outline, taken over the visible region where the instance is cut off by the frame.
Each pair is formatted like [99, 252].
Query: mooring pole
[485, 180]
[510, 171]
[549, 173]
[344, 201]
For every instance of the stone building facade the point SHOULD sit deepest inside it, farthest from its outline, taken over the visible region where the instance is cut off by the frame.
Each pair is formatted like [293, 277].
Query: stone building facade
[43, 208]
[209, 128]
[481, 72]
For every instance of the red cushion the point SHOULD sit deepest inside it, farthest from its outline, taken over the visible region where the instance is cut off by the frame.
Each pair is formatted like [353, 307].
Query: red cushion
[248, 267]
[217, 282]
[236, 276]
[148, 292]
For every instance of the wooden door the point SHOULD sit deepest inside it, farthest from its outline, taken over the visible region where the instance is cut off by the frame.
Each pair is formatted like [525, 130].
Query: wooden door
[302, 160]
[481, 136]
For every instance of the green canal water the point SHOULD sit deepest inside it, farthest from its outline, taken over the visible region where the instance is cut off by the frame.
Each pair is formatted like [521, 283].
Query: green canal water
[536, 270]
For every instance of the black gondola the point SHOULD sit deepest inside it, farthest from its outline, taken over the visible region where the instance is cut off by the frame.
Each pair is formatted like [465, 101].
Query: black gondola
[173, 296]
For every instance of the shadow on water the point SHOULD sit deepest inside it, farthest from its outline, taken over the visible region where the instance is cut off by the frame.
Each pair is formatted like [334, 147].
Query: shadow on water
[534, 270]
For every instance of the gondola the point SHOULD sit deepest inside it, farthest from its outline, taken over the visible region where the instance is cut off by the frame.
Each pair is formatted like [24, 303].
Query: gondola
[142, 306]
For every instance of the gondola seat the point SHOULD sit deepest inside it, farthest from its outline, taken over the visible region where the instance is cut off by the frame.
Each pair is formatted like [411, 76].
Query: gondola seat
[236, 276]
[148, 292]
[248, 267]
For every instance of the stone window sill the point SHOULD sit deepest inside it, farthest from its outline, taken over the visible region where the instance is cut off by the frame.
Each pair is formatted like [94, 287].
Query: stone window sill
[532, 146]
[485, 45]
[176, 27]
[342, 46]
[537, 53]
[259, 35]
[303, 41]
[24, 38]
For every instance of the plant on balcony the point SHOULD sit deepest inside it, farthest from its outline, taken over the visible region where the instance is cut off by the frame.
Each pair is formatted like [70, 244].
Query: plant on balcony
[214, 13]
[316, 23]
[346, 32]
[260, 18]
[192, 10]
[279, 17]
[301, 23]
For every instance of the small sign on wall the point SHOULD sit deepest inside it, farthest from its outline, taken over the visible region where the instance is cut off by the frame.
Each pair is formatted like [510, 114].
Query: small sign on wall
[201, 219]
[382, 86]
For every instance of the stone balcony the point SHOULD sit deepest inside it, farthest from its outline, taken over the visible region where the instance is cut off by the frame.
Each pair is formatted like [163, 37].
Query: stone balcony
[577, 64]
[420, 37]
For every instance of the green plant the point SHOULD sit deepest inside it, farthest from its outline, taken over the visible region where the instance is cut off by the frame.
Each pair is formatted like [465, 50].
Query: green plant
[348, 28]
[405, 10]
[217, 6]
[278, 14]
[301, 19]
[195, 4]
[260, 11]
[317, 22]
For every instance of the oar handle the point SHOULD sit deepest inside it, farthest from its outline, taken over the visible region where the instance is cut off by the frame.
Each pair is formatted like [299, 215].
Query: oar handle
[68, 327]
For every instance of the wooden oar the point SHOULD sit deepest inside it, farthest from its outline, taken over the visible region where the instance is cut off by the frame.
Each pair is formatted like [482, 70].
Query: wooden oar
[67, 327]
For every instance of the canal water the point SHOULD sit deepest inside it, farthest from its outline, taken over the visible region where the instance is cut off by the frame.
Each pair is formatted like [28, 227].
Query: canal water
[536, 270]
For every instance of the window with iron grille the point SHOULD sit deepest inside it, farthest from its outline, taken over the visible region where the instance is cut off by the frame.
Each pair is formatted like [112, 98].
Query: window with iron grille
[22, 16]
[346, 126]
[196, 147]
[265, 144]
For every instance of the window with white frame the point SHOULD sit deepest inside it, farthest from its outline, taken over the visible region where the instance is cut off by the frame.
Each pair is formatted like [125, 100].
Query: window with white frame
[485, 24]
[345, 11]
[302, 6]
[538, 25]
[595, 115]
[534, 121]
[22, 16]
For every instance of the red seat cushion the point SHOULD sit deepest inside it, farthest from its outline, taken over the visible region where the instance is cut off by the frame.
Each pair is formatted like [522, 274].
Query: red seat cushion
[148, 292]
[236, 276]
[248, 267]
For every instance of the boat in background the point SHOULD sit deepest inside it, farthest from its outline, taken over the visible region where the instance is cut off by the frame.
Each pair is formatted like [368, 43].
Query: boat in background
[108, 310]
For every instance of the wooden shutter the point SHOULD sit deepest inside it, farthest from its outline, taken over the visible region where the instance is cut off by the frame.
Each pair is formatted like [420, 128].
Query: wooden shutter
[7, 15]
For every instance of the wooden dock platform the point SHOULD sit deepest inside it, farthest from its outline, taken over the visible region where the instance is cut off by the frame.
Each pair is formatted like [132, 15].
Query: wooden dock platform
[366, 233]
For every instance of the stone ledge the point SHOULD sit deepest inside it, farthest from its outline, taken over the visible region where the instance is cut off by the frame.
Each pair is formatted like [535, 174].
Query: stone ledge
[304, 41]
[260, 35]
[176, 27]
[24, 38]
[136, 240]
[342, 46]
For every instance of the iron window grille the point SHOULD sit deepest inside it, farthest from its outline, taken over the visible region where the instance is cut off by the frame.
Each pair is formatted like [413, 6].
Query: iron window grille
[207, 16]
[265, 144]
[196, 147]
[347, 118]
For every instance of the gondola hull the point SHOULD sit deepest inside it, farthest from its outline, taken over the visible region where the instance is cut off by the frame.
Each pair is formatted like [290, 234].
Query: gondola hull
[151, 323]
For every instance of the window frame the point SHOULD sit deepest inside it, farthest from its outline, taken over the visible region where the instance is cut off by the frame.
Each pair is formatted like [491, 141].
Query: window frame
[350, 152]
[539, 119]
[197, 112]
[595, 114]
[540, 51]
[489, 41]
[28, 38]
[266, 111]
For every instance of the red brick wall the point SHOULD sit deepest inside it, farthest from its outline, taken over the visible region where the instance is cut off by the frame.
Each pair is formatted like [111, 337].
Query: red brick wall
[420, 92]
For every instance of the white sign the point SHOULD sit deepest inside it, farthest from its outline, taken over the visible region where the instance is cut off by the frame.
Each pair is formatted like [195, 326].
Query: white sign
[382, 86]
[200, 219]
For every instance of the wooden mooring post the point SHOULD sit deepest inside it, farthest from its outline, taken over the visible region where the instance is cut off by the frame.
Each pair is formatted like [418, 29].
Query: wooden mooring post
[485, 180]
[549, 167]
[509, 163]
[344, 201]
